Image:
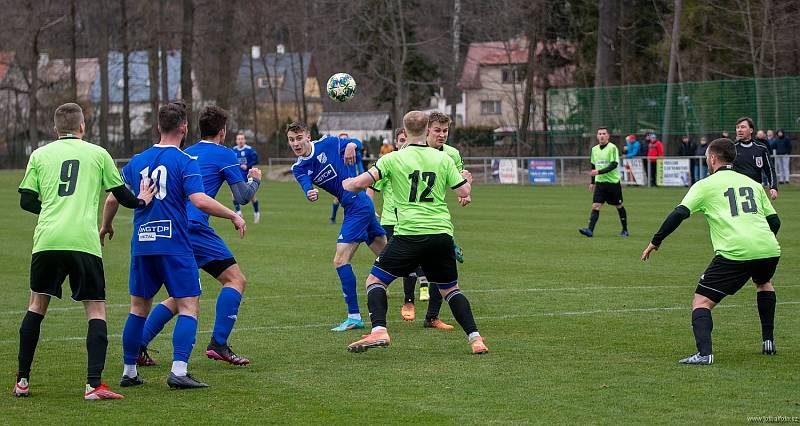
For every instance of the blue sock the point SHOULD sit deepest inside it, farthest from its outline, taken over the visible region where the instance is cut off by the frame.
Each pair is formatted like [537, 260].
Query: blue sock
[158, 318]
[255, 206]
[236, 206]
[334, 209]
[132, 338]
[183, 338]
[348, 279]
[227, 309]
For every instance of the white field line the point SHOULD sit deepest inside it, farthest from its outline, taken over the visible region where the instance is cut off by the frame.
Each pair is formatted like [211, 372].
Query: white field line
[78, 307]
[325, 326]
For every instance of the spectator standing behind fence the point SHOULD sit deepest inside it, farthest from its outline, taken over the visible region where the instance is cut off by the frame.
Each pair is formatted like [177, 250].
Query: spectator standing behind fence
[631, 147]
[783, 146]
[687, 149]
[655, 150]
[701, 168]
[771, 139]
[386, 147]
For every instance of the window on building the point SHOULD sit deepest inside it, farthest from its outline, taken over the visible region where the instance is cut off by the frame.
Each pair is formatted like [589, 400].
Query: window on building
[511, 75]
[490, 107]
[274, 81]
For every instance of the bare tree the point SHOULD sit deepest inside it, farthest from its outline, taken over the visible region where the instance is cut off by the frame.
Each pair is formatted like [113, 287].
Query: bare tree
[673, 65]
[162, 51]
[126, 96]
[103, 62]
[187, 44]
[73, 69]
[604, 64]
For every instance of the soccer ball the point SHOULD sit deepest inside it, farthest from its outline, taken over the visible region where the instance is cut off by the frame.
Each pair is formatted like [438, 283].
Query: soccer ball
[341, 87]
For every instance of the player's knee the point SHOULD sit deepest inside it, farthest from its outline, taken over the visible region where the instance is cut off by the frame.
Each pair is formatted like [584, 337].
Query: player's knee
[446, 289]
[188, 306]
[238, 282]
[767, 286]
[95, 310]
[701, 301]
[340, 260]
[596, 206]
[38, 303]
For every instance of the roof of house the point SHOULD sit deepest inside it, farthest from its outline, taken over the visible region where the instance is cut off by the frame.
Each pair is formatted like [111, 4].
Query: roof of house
[287, 66]
[375, 120]
[139, 76]
[57, 71]
[514, 51]
[6, 59]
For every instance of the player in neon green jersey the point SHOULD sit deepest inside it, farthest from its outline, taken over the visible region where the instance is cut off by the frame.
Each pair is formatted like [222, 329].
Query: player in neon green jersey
[62, 184]
[419, 177]
[743, 226]
[605, 182]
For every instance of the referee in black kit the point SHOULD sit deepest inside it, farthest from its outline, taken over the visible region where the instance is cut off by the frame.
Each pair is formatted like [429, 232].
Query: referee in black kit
[753, 157]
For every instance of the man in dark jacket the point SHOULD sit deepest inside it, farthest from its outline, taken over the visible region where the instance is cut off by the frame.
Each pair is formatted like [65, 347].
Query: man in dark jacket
[783, 147]
[701, 168]
[686, 149]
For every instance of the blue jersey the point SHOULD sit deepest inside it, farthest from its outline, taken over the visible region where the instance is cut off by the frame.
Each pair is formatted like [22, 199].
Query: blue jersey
[245, 156]
[162, 226]
[217, 165]
[325, 168]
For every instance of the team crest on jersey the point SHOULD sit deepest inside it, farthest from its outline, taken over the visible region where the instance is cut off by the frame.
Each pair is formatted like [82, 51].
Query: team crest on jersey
[325, 175]
[151, 231]
[322, 158]
[759, 162]
[310, 172]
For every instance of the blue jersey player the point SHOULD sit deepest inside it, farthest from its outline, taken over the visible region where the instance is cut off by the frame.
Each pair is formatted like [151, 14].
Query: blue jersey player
[161, 253]
[218, 164]
[247, 158]
[326, 163]
[359, 169]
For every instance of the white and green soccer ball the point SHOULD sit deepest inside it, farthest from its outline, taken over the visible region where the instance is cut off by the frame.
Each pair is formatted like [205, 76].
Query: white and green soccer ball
[341, 87]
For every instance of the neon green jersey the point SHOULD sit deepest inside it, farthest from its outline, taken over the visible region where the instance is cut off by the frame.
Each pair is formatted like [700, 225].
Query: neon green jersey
[388, 214]
[602, 157]
[736, 208]
[420, 177]
[68, 174]
[454, 154]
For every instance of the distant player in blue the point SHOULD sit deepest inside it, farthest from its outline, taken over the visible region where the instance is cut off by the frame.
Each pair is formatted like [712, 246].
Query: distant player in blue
[161, 253]
[326, 163]
[247, 157]
[359, 169]
[218, 164]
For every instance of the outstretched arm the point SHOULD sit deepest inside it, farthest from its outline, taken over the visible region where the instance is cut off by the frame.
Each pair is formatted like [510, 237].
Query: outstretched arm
[670, 224]
[362, 181]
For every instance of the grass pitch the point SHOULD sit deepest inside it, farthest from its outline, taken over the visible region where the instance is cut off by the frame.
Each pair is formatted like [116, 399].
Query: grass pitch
[579, 329]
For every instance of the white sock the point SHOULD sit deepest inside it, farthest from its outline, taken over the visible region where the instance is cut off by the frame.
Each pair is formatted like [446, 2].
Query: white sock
[473, 335]
[354, 316]
[374, 329]
[130, 371]
[179, 368]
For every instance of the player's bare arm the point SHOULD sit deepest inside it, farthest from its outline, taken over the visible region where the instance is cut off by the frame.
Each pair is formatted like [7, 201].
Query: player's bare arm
[213, 207]
[363, 181]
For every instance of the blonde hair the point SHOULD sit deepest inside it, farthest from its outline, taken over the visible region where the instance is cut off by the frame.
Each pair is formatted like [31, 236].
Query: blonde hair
[415, 123]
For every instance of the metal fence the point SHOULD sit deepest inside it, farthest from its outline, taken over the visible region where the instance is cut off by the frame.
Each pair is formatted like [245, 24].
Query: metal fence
[567, 170]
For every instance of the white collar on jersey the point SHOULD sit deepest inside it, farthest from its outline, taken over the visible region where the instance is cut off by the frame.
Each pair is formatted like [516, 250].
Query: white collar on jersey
[158, 145]
[242, 148]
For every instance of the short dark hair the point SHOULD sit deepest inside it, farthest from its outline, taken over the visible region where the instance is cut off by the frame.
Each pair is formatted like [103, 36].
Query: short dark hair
[723, 148]
[748, 120]
[296, 127]
[170, 116]
[602, 128]
[68, 118]
[398, 132]
[438, 117]
[212, 120]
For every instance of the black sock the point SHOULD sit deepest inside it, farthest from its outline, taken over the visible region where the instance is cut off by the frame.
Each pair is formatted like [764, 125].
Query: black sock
[409, 284]
[593, 219]
[462, 311]
[623, 218]
[766, 311]
[702, 324]
[434, 302]
[378, 303]
[28, 338]
[96, 346]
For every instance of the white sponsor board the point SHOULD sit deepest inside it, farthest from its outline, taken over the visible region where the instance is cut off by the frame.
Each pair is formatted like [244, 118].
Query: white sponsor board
[673, 172]
[633, 171]
[508, 170]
